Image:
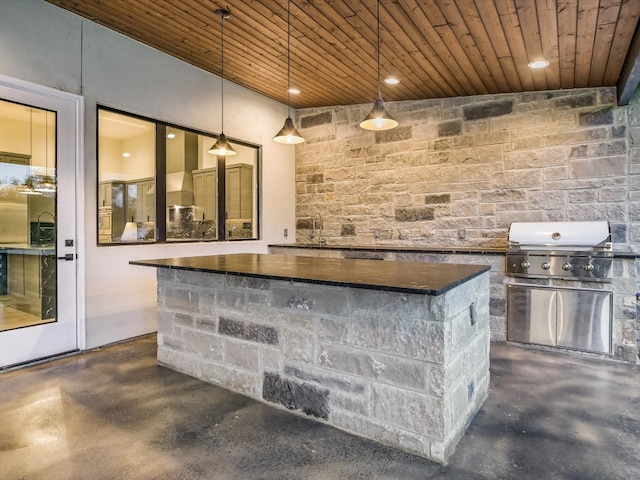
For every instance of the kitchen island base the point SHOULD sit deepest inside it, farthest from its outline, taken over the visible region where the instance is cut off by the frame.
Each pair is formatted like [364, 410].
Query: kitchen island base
[405, 369]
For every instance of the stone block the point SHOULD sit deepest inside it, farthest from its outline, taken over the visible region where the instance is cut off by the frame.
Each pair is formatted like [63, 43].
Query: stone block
[282, 318]
[165, 321]
[333, 330]
[308, 398]
[247, 282]
[488, 110]
[247, 383]
[203, 345]
[318, 119]
[365, 426]
[409, 411]
[387, 369]
[270, 358]
[437, 198]
[414, 214]
[241, 354]
[235, 299]
[349, 403]
[392, 304]
[198, 279]
[412, 338]
[302, 297]
[180, 298]
[575, 101]
[332, 380]
[298, 346]
[347, 230]
[598, 167]
[252, 332]
[598, 117]
[180, 361]
[394, 135]
[448, 129]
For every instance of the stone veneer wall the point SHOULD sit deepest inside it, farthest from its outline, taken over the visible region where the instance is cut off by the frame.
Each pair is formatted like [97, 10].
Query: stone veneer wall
[407, 370]
[458, 171]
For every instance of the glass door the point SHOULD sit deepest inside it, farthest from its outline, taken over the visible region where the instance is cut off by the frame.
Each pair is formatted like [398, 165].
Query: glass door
[37, 226]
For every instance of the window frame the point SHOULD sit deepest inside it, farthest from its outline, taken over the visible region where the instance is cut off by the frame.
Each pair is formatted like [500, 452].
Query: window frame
[160, 177]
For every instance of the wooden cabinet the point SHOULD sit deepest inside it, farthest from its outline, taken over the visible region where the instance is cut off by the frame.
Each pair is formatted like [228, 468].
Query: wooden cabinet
[141, 201]
[111, 194]
[239, 191]
[204, 193]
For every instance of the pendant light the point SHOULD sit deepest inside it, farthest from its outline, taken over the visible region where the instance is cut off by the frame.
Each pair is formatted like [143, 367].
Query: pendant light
[27, 186]
[288, 134]
[47, 185]
[222, 147]
[378, 118]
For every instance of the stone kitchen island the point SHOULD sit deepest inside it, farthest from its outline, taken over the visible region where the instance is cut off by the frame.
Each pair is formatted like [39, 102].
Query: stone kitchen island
[397, 352]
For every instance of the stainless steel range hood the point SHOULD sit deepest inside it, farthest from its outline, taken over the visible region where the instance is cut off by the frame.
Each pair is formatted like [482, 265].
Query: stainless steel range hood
[179, 188]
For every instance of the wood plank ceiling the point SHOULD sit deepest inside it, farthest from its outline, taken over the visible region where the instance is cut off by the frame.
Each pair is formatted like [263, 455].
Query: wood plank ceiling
[436, 48]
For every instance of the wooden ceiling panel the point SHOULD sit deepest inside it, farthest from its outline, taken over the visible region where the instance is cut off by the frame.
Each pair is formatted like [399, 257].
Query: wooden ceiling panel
[436, 48]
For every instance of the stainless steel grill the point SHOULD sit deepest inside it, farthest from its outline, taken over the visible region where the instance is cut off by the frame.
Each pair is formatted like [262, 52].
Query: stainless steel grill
[569, 250]
[560, 313]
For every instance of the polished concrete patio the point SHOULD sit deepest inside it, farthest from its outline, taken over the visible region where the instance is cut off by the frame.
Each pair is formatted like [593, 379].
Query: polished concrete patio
[114, 413]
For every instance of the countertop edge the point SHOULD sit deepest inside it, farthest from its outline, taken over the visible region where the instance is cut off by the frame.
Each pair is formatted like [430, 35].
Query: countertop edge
[480, 269]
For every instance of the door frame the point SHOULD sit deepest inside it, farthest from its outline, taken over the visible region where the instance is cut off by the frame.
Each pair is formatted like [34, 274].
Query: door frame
[77, 101]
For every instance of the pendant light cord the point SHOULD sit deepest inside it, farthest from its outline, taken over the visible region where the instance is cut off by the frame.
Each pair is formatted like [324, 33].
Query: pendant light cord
[289, 58]
[222, 74]
[378, 21]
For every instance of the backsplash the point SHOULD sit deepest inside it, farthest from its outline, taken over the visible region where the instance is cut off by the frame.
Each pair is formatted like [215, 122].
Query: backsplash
[458, 171]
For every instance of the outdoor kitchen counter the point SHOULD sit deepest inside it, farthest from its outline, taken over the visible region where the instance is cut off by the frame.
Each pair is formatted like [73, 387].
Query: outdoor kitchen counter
[397, 352]
[618, 252]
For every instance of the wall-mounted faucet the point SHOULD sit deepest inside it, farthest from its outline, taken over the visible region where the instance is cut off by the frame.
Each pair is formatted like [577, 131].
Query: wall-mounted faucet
[314, 227]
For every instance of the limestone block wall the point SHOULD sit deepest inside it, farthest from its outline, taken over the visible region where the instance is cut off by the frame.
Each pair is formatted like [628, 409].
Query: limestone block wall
[403, 369]
[458, 171]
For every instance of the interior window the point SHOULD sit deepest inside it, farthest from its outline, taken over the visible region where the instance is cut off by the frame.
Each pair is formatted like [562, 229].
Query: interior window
[137, 157]
[126, 171]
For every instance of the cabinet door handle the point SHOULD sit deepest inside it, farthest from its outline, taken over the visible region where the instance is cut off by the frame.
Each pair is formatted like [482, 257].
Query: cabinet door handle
[69, 257]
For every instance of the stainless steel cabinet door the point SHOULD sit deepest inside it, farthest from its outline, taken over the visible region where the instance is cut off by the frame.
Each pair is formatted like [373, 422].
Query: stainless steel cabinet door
[584, 320]
[531, 315]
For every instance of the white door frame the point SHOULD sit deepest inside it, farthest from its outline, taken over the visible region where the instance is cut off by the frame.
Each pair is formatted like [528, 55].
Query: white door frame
[29, 88]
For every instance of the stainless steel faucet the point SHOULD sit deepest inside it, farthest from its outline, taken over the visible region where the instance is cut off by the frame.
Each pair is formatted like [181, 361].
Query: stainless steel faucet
[313, 227]
[38, 229]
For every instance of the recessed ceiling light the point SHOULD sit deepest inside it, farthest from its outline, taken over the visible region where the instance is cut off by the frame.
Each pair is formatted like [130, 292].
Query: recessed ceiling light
[539, 64]
[171, 135]
[126, 154]
[293, 91]
[391, 81]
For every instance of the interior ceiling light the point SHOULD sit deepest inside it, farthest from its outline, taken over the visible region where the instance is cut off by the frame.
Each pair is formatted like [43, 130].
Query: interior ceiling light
[222, 147]
[539, 64]
[126, 154]
[171, 135]
[378, 118]
[293, 91]
[288, 133]
[391, 81]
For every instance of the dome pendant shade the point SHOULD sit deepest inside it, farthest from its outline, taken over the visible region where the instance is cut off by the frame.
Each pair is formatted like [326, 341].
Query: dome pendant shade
[288, 134]
[222, 147]
[378, 118]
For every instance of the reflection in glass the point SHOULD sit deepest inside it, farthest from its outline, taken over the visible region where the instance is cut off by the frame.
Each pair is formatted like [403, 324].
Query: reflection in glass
[27, 216]
[126, 171]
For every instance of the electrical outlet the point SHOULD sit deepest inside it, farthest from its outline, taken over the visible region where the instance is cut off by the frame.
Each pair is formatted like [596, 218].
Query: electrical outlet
[461, 234]
[286, 232]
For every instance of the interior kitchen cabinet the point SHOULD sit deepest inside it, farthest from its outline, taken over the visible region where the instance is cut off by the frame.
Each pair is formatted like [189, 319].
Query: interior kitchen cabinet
[204, 193]
[239, 191]
[111, 211]
[140, 201]
[32, 276]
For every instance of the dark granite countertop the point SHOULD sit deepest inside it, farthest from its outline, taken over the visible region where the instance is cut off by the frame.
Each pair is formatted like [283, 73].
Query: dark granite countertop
[27, 249]
[624, 252]
[407, 277]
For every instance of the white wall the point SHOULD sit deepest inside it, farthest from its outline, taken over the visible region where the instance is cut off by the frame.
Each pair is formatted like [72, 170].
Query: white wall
[46, 45]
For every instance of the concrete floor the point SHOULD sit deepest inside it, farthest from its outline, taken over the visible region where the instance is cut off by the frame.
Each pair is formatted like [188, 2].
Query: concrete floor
[114, 414]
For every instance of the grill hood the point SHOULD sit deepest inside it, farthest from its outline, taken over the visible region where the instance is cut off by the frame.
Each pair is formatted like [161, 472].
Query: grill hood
[559, 235]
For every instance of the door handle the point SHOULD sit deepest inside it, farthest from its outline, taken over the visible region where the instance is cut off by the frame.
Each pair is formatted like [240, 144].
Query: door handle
[69, 257]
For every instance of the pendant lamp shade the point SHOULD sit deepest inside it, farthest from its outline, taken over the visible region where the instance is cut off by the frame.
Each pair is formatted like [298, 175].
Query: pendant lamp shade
[378, 118]
[27, 187]
[288, 133]
[222, 147]
[48, 183]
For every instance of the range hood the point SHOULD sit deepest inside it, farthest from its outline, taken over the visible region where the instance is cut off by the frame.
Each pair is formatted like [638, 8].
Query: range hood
[179, 189]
